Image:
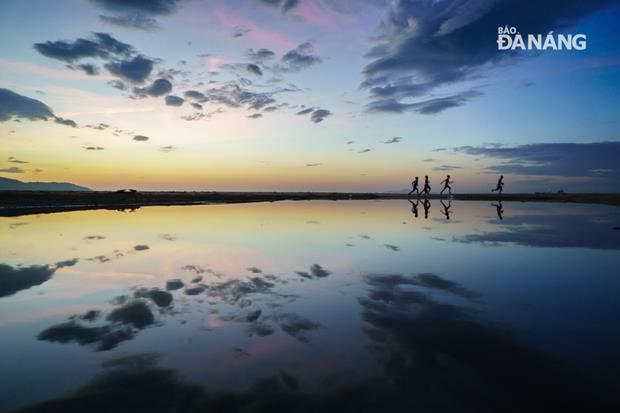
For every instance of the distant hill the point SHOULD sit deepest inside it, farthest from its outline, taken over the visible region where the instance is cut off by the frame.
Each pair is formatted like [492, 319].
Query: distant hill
[7, 184]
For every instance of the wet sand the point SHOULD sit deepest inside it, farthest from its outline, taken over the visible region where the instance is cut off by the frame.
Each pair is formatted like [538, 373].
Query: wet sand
[13, 203]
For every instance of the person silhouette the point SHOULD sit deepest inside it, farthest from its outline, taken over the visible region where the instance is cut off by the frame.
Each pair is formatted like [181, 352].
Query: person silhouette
[427, 206]
[446, 208]
[414, 185]
[446, 185]
[500, 185]
[500, 209]
[414, 207]
[427, 186]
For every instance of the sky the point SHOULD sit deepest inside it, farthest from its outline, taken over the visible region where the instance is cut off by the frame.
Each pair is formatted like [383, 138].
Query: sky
[308, 95]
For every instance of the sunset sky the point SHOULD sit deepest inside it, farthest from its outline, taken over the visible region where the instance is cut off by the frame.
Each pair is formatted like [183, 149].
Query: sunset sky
[307, 95]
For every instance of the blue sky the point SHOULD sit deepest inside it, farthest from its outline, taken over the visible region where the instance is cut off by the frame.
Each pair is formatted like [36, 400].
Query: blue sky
[443, 85]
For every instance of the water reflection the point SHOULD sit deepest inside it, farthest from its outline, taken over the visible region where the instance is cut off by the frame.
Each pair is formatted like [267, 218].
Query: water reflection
[249, 308]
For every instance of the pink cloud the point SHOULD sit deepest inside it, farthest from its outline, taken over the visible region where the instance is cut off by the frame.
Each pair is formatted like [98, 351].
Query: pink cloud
[310, 13]
[257, 35]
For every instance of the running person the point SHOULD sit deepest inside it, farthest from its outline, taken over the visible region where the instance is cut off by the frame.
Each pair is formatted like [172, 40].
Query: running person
[500, 185]
[414, 185]
[427, 186]
[500, 209]
[446, 185]
[446, 208]
[427, 207]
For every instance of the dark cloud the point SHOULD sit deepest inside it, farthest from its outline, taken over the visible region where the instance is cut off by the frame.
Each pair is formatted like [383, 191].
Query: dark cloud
[158, 88]
[296, 326]
[550, 231]
[67, 263]
[13, 170]
[174, 284]
[195, 95]
[133, 70]
[425, 107]
[66, 122]
[12, 159]
[157, 296]
[196, 106]
[283, 5]
[254, 270]
[103, 338]
[260, 55]
[18, 106]
[305, 111]
[93, 148]
[141, 247]
[87, 68]
[132, 21]
[255, 116]
[314, 164]
[316, 272]
[135, 313]
[597, 160]
[172, 100]
[319, 114]
[446, 168]
[253, 69]
[393, 140]
[102, 45]
[140, 138]
[298, 58]
[15, 279]
[239, 31]
[150, 7]
[425, 45]
[394, 248]
[117, 84]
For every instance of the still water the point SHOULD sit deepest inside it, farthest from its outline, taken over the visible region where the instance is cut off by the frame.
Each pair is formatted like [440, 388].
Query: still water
[312, 306]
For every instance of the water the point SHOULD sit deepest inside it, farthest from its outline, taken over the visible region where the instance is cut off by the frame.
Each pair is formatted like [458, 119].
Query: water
[311, 306]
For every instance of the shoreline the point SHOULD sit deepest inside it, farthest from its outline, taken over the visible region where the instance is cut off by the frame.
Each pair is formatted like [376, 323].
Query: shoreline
[14, 203]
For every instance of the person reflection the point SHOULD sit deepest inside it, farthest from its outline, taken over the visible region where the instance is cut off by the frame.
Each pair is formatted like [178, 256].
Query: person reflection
[427, 207]
[414, 207]
[446, 208]
[499, 208]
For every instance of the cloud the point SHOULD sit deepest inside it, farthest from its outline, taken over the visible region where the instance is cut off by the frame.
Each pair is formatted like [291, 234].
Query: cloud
[135, 313]
[239, 31]
[392, 140]
[446, 168]
[168, 148]
[13, 170]
[316, 272]
[172, 100]
[93, 148]
[255, 116]
[87, 68]
[102, 45]
[141, 247]
[174, 284]
[18, 106]
[554, 159]
[134, 70]
[559, 230]
[394, 248]
[104, 338]
[425, 107]
[305, 111]
[132, 21]
[313, 164]
[426, 45]
[195, 95]
[319, 114]
[196, 106]
[140, 138]
[283, 5]
[66, 122]
[158, 88]
[260, 55]
[15, 279]
[253, 69]
[150, 7]
[159, 297]
[298, 58]
[12, 159]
